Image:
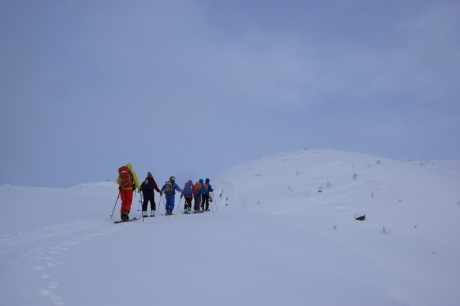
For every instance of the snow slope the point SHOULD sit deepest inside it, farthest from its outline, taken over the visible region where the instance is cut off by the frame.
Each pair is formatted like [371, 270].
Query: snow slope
[282, 232]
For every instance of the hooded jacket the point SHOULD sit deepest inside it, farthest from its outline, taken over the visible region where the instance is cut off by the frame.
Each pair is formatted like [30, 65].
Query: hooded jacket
[150, 180]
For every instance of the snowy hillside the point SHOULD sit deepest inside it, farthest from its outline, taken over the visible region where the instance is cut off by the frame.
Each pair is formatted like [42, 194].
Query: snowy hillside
[282, 232]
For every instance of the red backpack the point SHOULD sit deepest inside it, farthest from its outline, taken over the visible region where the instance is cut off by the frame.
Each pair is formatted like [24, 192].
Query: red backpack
[126, 178]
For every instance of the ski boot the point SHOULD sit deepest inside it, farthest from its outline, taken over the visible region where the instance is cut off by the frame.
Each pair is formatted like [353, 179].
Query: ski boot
[152, 213]
[144, 214]
[125, 216]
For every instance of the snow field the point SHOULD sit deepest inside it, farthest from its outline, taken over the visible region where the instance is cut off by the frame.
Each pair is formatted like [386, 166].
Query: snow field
[273, 238]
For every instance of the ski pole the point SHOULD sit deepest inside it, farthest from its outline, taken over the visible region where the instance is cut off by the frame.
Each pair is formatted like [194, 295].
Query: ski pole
[214, 200]
[212, 209]
[159, 205]
[140, 200]
[115, 204]
[179, 204]
[159, 202]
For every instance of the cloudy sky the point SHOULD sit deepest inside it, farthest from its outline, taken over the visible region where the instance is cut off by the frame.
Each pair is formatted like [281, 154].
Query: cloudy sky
[192, 87]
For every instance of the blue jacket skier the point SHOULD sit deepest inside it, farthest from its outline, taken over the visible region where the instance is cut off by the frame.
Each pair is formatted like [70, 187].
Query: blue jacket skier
[187, 192]
[169, 190]
[207, 188]
[197, 190]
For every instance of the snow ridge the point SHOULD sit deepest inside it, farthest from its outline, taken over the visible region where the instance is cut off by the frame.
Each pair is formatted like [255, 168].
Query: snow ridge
[282, 232]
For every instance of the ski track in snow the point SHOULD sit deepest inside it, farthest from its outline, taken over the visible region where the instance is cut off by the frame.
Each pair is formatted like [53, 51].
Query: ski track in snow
[42, 256]
[308, 239]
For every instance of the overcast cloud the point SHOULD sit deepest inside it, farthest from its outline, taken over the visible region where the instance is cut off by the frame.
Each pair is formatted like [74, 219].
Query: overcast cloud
[190, 88]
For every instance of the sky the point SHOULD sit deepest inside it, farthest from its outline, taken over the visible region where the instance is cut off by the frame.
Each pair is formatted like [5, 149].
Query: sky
[191, 88]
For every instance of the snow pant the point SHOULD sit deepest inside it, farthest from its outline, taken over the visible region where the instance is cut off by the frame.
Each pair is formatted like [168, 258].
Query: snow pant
[126, 196]
[188, 203]
[148, 196]
[205, 204]
[170, 202]
[197, 198]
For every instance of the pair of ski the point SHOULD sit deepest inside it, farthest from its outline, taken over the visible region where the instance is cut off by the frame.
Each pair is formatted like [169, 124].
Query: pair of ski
[132, 219]
[124, 221]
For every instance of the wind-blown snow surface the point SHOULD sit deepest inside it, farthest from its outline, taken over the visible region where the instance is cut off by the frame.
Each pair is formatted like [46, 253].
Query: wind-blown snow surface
[272, 239]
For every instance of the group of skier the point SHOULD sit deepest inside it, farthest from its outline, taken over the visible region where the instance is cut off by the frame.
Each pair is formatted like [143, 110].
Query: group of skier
[128, 183]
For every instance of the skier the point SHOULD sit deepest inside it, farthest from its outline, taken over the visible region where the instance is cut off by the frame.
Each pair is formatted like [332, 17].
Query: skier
[188, 193]
[197, 190]
[148, 187]
[169, 190]
[207, 188]
[128, 182]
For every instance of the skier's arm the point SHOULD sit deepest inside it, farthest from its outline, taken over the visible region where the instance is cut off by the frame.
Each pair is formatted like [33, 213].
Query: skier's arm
[155, 186]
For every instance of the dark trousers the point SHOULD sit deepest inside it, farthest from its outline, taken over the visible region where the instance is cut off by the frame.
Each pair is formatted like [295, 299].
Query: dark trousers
[205, 203]
[149, 196]
[197, 198]
[188, 203]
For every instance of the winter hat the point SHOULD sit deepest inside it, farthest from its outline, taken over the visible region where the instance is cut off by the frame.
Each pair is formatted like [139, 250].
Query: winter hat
[201, 181]
[172, 178]
[149, 174]
[207, 181]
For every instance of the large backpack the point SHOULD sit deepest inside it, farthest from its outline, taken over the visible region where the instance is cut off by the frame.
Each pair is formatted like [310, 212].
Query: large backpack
[126, 178]
[169, 187]
[147, 185]
[198, 187]
[188, 188]
[206, 188]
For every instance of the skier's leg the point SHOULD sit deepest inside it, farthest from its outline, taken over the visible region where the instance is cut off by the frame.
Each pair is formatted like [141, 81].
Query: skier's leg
[126, 196]
[145, 202]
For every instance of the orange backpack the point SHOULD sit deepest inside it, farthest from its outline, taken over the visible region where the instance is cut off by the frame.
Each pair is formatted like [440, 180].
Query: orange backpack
[126, 178]
[206, 188]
